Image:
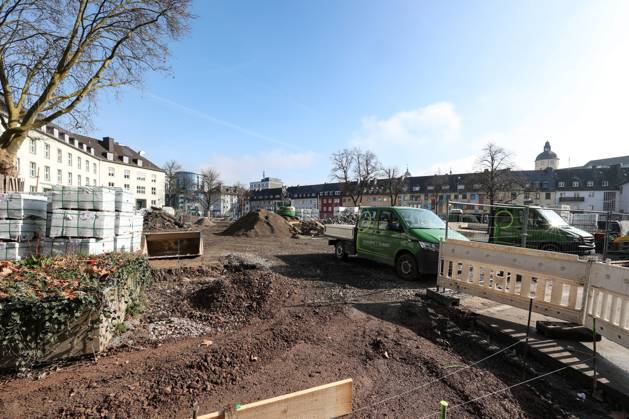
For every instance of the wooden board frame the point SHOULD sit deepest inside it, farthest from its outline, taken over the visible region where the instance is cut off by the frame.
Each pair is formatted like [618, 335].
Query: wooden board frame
[322, 402]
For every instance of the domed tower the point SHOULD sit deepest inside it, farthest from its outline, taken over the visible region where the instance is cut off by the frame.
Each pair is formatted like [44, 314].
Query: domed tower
[546, 159]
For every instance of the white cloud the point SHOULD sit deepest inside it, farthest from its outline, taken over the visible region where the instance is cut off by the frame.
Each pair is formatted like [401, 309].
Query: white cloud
[276, 163]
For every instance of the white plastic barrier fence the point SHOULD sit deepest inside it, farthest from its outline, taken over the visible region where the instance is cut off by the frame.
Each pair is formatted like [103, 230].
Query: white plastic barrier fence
[561, 285]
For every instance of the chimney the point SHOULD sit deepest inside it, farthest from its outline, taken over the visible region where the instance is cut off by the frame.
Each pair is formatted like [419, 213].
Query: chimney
[108, 143]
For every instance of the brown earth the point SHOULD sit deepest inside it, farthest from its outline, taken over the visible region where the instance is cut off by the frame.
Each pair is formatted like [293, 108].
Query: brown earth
[260, 223]
[280, 315]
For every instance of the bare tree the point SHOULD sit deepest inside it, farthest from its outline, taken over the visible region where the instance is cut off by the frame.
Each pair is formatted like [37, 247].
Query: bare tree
[170, 168]
[496, 176]
[211, 188]
[495, 172]
[56, 55]
[243, 195]
[354, 169]
[396, 183]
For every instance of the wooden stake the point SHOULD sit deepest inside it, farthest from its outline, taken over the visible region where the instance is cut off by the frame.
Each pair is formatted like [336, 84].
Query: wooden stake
[594, 375]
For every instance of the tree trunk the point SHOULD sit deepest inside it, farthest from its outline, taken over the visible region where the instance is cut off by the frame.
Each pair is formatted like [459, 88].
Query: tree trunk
[8, 154]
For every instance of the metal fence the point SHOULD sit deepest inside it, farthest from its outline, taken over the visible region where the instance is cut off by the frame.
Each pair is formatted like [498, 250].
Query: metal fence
[563, 229]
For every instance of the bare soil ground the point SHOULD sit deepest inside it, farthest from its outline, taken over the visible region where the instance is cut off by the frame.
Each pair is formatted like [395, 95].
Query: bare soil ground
[283, 315]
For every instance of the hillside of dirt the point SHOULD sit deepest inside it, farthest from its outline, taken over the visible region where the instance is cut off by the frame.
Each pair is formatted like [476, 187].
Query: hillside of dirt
[278, 316]
[260, 223]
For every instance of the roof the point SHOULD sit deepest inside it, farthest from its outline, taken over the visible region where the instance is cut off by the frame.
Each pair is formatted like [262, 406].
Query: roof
[621, 160]
[100, 149]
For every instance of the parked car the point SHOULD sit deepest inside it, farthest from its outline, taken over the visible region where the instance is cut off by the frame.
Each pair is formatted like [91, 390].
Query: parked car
[403, 237]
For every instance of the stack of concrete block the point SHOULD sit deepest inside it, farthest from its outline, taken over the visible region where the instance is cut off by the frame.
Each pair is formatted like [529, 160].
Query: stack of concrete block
[22, 222]
[128, 225]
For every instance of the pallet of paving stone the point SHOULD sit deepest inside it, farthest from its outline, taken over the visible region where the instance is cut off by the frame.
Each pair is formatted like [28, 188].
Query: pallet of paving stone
[128, 243]
[81, 224]
[15, 250]
[75, 246]
[129, 223]
[19, 206]
[22, 230]
[125, 200]
[91, 198]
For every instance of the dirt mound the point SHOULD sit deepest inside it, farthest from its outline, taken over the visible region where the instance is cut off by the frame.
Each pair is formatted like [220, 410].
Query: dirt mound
[203, 222]
[260, 223]
[241, 295]
[158, 220]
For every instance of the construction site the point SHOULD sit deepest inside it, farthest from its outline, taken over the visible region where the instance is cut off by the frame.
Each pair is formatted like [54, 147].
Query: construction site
[264, 312]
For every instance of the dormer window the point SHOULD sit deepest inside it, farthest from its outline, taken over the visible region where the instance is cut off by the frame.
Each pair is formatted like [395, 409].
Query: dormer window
[125, 159]
[605, 184]
[590, 183]
[139, 162]
[561, 184]
[110, 156]
[575, 183]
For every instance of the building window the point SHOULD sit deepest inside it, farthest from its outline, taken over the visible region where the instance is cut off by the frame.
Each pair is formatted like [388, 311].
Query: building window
[605, 183]
[70, 178]
[153, 190]
[547, 195]
[154, 178]
[47, 173]
[33, 188]
[153, 202]
[141, 189]
[78, 162]
[70, 159]
[87, 166]
[87, 181]
[141, 176]
[111, 184]
[59, 156]
[575, 183]
[112, 172]
[33, 146]
[127, 186]
[47, 150]
[590, 183]
[94, 181]
[59, 176]
[78, 180]
[33, 169]
[127, 174]
[94, 167]
[561, 184]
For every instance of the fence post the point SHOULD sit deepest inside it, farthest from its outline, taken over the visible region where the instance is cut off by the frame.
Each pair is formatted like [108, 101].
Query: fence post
[525, 226]
[447, 216]
[443, 407]
[606, 238]
[594, 372]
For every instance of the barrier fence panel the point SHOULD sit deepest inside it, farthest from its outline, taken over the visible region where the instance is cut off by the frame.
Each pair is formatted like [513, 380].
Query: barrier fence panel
[608, 302]
[561, 285]
[513, 276]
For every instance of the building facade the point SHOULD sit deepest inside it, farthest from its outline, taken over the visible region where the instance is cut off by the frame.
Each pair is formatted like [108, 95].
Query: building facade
[266, 183]
[53, 156]
[547, 159]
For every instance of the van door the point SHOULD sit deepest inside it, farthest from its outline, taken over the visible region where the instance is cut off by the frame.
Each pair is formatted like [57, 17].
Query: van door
[389, 230]
[366, 236]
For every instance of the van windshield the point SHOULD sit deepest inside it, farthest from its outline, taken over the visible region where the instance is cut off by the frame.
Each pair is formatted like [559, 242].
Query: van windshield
[552, 218]
[420, 218]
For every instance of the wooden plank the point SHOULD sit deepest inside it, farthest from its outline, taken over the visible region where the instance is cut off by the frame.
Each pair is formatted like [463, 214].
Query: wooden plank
[322, 402]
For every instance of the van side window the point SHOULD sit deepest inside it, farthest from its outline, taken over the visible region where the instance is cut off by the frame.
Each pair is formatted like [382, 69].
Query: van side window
[387, 218]
[366, 217]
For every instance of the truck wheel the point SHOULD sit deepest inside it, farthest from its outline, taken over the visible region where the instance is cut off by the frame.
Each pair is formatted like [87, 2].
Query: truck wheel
[550, 247]
[339, 251]
[406, 267]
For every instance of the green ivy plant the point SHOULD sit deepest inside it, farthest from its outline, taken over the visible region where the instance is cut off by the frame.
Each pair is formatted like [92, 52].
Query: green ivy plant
[41, 298]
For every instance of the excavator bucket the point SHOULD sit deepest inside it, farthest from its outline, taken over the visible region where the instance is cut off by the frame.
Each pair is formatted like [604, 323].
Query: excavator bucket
[173, 244]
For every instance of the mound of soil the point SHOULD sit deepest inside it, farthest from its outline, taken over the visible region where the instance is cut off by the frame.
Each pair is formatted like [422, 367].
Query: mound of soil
[260, 223]
[158, 220]
[239, 296]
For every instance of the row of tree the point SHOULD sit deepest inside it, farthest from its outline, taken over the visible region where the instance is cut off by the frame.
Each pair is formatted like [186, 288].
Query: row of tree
[356, 170]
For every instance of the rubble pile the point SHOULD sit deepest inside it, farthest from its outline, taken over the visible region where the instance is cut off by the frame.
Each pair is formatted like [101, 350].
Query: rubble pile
[260, 223]
[310, 228]
[158, 220]
[341, 219]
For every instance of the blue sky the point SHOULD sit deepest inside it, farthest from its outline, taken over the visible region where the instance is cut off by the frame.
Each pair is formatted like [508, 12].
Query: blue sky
[280, 85]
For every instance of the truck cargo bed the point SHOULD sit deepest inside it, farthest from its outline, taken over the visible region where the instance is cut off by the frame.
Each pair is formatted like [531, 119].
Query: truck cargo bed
[340, 231]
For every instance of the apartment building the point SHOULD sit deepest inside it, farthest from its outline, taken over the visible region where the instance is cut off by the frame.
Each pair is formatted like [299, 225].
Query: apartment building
[53, 156]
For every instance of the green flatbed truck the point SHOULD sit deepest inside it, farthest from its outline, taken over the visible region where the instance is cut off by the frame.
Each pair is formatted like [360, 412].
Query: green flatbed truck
[403, 237]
